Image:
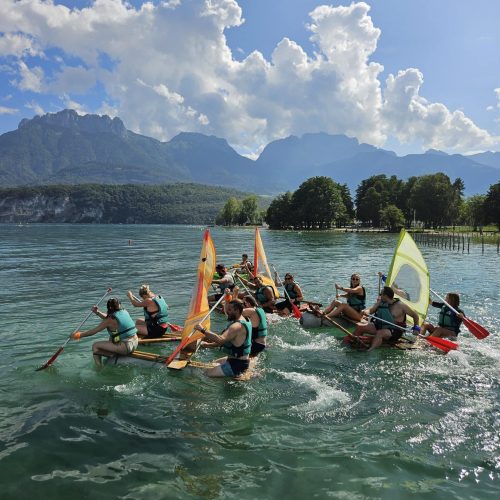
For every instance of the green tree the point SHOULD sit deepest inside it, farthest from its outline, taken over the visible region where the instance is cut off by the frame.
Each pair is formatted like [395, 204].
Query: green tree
[392, 218]
[318, 203]
[249, 210]
[230, 212]
[492, 205]
[279, 215]
[434, 198]
[472, 211]
[348, 204]
[369, 207]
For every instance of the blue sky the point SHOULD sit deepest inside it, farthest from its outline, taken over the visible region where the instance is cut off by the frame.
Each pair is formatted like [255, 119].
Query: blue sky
[398, 74]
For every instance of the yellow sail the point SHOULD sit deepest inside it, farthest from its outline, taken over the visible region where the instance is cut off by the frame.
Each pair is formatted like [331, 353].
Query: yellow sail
[260, 263]
[409, 276]
[198, 306]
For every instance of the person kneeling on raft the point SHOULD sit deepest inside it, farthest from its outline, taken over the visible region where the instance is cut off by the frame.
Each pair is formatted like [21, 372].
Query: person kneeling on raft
[123, 338]
[388, 310]
[155, 322]
[448, 322]
[236, 341]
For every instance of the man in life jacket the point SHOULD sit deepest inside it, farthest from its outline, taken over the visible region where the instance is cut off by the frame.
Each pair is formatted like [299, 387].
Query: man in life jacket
[257, 317]
[236, 340]
[387, 310]
[121, 328]
[264, 294]
[448, 322]
[155, 322]
[245, 266]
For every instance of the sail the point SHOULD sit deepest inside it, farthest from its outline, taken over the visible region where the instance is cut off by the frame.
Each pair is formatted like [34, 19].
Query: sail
[198, 306]
[260, 263]
[409, 276]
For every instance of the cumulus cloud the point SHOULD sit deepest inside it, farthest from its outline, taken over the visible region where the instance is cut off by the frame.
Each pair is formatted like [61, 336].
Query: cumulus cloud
[172, 70]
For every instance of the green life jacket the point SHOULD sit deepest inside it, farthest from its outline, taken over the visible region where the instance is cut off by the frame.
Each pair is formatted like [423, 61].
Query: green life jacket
[245, 348]
[261, 296]
[161, 317]
[357, 301]
[449, 320]
[290, 290]
[384, 312]
[126, 326]
[261, 330]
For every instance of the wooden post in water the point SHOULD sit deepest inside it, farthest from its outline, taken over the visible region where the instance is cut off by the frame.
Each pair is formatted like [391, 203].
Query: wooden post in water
[482, 244]
[463, 243]
[468, 244]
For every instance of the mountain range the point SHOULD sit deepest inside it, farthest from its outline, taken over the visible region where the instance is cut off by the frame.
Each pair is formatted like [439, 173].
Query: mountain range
[67, 148]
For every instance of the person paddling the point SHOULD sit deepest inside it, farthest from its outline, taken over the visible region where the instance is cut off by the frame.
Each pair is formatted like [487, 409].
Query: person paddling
[236, 341]
[387, 308]
[122, 332]
[257, 317]
[356, 300]
[155, 322]
[448, 322]
[293, 295]
[225, 282]
[263, 293]
[245, 266]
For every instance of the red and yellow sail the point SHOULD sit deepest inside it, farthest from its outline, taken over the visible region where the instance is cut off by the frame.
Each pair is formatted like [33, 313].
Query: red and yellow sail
[260, 263]
[198, 307]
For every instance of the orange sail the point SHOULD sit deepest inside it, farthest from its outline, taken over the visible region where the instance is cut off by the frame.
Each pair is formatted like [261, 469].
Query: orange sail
[260, 263]
[198, 307]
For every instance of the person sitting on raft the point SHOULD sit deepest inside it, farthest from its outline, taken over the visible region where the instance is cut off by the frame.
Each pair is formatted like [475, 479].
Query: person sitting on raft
[387, 310]
[356, 300]
[448, 322]
[245, 266]
[155, 322]
[293, 295]
[121, 328]
[236, 341]
[263, 293]
[225, 281]
[257, 317]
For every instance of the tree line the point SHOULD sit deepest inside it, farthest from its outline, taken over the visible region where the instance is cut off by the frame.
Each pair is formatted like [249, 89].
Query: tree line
[381, 201]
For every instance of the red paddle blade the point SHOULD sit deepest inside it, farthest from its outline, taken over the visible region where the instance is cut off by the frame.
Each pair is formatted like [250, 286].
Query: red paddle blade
[476, 329]
[51, 360]
[443, 344]
[175, 328]
[296, 311]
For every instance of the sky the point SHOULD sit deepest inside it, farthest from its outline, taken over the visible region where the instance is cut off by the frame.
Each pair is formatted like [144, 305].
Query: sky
[399, 74]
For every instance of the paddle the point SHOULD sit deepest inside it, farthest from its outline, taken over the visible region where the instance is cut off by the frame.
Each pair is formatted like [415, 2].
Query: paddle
[174, 328]
[443, 344]
[476, 329]
[187, 340]
[60, 350]
[296, 313]
[340, 327]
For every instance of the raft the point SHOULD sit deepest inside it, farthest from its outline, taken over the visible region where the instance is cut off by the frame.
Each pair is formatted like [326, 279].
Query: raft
[149, 360]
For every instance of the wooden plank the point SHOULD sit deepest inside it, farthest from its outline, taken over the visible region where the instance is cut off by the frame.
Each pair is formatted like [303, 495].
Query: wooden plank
[178, 364]
[159, 340]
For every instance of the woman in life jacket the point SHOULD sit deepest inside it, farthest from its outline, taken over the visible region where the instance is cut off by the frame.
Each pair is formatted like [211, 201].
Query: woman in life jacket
[123, 338]
[155, 322]
[448, 322]
[356, 300]
[257, 316]
[293, 294]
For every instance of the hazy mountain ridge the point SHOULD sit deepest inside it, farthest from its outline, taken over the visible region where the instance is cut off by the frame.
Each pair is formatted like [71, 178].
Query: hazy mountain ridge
[69, 148]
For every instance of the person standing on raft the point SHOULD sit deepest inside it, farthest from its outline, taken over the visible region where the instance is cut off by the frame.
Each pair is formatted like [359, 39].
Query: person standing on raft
[387, 308]
[123, 338]
[257, 317]
[356, 300]
[236, 341]
[448, 322]
[155, 322]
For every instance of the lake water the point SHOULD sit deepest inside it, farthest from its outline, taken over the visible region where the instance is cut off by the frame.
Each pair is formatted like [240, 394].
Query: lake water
[319, 421]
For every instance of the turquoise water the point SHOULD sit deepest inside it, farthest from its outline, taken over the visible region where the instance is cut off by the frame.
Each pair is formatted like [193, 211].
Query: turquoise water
[319, 420]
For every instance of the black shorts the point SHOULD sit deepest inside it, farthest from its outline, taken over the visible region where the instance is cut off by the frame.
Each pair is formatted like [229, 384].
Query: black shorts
[257, 348]
[238, 365]
[286, 303]
[396, 334]
[155, 331]
[268, 310]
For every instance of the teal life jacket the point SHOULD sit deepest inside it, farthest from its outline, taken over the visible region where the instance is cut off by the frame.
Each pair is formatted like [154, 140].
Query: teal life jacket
[261, 296]
[245, 348]
[126, 326]
[261, 330]
[290, 290]
[161, 317]
[356, 301]
[449, 320]
[384, 312]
